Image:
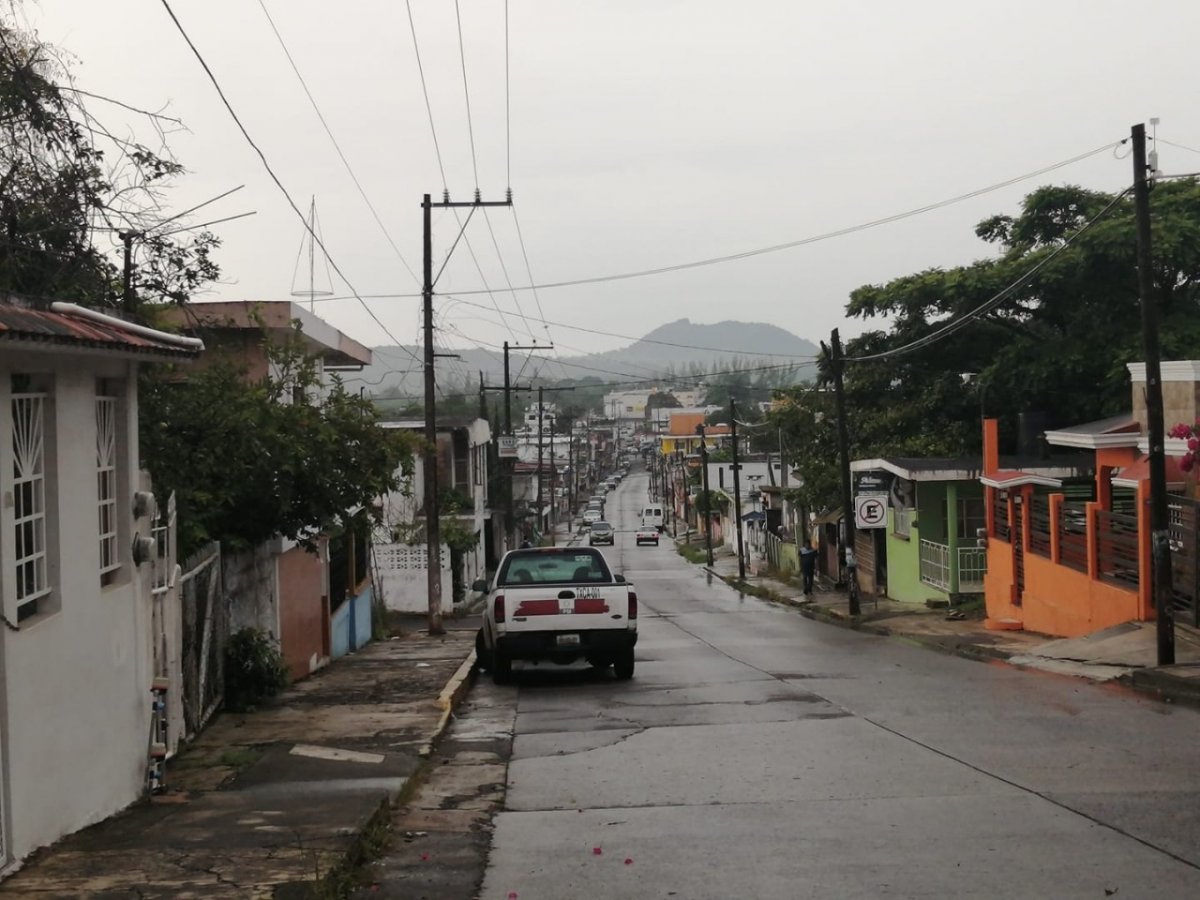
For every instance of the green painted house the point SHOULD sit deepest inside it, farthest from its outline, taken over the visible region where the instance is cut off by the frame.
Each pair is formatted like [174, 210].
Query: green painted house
[927, 548]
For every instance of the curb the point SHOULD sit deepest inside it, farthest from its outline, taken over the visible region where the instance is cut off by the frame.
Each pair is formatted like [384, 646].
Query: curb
[1163, 687]
[448, 700]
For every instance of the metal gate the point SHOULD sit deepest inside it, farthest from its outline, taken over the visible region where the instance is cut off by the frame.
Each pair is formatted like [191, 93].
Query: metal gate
[205, 633]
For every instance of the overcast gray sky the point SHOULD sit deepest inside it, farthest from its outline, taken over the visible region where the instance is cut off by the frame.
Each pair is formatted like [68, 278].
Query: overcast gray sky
[644, 133]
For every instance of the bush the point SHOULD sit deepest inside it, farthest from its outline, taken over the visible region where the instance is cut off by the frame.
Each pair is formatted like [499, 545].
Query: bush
[254, 669]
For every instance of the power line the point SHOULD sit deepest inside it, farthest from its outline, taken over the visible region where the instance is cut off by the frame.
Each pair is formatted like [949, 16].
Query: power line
[507, 116]
[1180, 146]
[462, 56]
[336, 146]
[990, 304]
[789, 245]
[271, 172]
[425, 90]
[442, 170]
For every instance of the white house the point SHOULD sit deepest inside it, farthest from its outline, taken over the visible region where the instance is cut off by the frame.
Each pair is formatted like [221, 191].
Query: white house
[755, 473]
[400, 554]
[81, 624]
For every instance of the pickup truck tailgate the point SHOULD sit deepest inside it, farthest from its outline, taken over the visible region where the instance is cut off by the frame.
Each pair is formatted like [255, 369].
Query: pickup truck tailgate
[559, 608]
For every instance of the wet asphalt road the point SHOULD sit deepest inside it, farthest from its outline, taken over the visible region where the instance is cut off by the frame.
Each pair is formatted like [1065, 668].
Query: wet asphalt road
[759, 754]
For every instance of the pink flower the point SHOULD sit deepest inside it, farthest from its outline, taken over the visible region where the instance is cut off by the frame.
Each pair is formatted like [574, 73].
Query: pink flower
[1187, 462]
[1180, 431]
[1193, 444]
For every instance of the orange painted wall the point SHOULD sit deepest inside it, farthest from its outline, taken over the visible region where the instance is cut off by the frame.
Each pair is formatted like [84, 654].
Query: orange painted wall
[303, 616]
[1061, 601]
[998, 582]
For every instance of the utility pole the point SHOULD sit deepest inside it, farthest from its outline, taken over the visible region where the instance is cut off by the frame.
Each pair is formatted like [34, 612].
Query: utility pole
[1160, 548]
[737, 491]
[539, 468]
[509, 463]
[836, 364]
[687, 525]
[128, 301]
[707, 495]
[433, 538]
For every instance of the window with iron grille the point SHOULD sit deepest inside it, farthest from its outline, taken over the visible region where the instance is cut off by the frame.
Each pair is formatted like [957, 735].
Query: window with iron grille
[31, 576]
[106, 481]
[902, 521]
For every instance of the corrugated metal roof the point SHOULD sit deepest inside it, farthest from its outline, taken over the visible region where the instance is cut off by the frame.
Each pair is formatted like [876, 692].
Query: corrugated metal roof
[19, 324]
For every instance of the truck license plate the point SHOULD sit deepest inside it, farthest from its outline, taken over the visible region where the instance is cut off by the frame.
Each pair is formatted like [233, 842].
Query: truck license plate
[567, 640]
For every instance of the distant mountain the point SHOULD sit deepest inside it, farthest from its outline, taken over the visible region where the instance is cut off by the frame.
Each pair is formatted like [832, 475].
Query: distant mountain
[681, 347]
[725, 345]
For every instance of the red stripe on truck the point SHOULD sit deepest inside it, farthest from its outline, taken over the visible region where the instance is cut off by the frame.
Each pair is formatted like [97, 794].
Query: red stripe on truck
[590, 605]
[537, 608]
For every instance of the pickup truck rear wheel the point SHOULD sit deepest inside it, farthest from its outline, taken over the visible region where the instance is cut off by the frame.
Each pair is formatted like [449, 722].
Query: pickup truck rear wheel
[623, 665]
[501, 667]
[481, 654]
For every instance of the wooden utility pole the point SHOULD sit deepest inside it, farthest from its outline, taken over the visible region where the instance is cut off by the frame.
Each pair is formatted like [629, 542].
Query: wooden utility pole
[836, 364]
[1160, 547]
[707, 496]
[433, 537]
[737, 492]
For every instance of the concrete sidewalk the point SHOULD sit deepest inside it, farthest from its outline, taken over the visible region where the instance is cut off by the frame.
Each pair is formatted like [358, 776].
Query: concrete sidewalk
[280, 802]
[1126, 653]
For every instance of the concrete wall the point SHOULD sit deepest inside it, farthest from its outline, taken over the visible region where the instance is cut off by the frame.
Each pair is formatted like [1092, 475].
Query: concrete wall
[252, 588]
[75, 678]
[303, 611]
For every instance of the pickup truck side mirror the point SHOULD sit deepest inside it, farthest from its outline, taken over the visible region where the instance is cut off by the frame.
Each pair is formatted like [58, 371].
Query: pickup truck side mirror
[619, 579]
[480, 586]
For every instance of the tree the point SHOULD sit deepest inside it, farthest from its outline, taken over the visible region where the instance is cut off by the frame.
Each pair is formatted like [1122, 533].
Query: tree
[805, 416]
[247, 464]
[1057, 344]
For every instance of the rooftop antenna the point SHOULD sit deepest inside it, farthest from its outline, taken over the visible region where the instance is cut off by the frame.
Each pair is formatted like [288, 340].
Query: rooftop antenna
[312, 236]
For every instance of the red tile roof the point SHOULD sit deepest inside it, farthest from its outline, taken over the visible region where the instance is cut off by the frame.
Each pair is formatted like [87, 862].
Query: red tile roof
[65, 324]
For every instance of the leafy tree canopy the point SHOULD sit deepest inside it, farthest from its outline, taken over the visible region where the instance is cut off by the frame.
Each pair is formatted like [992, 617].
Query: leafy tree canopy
[1057, 344]
[246, 463]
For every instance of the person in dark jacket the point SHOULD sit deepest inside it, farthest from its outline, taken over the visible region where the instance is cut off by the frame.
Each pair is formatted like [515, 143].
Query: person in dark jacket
[808, 566]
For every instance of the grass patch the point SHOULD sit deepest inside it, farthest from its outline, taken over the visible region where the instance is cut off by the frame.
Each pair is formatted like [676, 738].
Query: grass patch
[240, 757]
[692, 553]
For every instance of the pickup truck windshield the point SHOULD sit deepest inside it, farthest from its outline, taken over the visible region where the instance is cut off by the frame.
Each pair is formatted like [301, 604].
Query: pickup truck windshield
[569, 565]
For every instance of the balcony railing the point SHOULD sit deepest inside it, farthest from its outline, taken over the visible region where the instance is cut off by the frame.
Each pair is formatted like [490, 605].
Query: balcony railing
[972, 566]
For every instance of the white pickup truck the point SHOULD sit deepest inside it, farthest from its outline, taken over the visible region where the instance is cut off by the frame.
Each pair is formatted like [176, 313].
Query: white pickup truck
[558, 604]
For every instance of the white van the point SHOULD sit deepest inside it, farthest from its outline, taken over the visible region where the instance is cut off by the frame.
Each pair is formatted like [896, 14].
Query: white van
[653, 515]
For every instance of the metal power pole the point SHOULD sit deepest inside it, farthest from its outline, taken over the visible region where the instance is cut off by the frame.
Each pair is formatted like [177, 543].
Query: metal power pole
[433, 538]
[707, 495]
[1160, 548]
[737, 492]
[836, 363]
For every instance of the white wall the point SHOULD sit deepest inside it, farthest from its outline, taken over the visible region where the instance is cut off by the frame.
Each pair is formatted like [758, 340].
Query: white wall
[74, 683]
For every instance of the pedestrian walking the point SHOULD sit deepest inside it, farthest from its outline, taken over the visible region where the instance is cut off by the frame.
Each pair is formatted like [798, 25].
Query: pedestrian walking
[808, 566]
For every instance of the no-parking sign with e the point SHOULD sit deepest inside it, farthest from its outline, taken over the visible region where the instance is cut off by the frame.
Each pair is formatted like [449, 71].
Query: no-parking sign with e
[870, 510]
